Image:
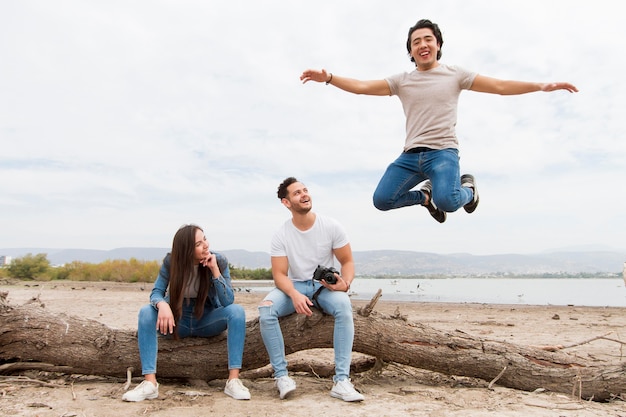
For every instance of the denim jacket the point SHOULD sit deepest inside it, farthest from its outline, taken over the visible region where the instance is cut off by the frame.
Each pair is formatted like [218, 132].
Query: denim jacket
[220, 293]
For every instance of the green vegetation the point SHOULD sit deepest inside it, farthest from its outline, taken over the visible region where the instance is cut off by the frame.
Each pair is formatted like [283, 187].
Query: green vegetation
[37, 267]
[29, 266]
[250, 274]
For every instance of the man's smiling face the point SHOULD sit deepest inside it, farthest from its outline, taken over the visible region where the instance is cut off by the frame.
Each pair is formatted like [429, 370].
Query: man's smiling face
[424, 48]
[298, 198]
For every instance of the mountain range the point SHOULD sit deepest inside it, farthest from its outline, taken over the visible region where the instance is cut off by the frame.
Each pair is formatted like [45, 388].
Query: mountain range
[382, 262]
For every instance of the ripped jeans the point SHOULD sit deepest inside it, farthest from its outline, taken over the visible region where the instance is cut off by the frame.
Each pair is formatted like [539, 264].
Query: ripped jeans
[335, 303]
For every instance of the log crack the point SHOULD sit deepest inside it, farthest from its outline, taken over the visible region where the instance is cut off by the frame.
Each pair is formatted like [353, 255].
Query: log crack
[544, 362]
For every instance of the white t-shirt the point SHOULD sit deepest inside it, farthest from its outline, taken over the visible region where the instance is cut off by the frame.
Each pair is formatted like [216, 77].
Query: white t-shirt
[305, 250]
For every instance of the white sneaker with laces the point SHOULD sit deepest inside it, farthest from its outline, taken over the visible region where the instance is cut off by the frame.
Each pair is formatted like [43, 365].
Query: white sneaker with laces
[344, 390]
[144, 391]
[235, 388]
[285, 386]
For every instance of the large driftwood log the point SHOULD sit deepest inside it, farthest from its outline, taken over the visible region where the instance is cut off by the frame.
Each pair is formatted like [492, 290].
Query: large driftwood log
[30, 334]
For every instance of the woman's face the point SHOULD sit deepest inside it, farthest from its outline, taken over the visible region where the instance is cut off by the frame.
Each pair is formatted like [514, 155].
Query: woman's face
[202, 246]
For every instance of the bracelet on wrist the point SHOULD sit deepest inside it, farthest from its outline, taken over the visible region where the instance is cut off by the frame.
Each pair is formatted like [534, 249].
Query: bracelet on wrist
[330, 79]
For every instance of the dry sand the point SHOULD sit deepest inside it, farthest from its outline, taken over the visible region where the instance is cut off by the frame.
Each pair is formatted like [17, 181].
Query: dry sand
[397, 391]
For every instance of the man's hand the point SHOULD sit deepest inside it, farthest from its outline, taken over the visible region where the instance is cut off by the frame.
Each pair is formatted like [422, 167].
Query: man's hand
[302, 303]
[340, 285]
[321, 76]
[559, 86]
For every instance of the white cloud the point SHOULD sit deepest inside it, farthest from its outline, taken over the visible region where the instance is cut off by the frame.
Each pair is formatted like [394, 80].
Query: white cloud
[122, 120]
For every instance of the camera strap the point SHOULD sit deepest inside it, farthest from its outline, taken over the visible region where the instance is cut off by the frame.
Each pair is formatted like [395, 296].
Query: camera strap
[316, 303]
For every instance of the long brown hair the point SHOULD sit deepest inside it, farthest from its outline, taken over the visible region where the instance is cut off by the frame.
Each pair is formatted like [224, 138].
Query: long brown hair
[182, 264]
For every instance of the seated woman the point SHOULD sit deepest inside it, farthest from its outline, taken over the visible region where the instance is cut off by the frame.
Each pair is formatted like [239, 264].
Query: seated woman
[199, 303]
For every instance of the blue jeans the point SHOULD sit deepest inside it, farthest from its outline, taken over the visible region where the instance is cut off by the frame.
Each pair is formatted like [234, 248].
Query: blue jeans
[335, 303]
[440, 166]
[212, 323]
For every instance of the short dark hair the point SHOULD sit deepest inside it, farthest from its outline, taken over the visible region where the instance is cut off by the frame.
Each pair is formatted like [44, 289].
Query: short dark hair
[425, 23]
[282, 188]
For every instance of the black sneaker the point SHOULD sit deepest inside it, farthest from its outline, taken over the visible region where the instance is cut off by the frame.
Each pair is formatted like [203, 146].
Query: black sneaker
[437, 214]
[467, 180]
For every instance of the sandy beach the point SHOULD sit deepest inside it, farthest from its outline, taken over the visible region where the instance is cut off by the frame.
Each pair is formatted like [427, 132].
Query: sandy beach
[395, 391]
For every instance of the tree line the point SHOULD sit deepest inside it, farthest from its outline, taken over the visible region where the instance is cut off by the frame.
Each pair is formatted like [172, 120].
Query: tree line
[38, 267]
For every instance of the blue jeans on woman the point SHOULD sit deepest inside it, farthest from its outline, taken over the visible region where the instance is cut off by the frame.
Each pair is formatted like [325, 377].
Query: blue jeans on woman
[213, 322]
[441, 167]
[335, 303]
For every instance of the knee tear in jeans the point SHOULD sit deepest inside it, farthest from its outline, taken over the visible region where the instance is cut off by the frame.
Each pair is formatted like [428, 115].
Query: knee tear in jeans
[265, 304]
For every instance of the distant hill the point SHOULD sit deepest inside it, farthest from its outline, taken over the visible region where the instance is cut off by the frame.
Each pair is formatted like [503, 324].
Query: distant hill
[412, 263]
[379, 262]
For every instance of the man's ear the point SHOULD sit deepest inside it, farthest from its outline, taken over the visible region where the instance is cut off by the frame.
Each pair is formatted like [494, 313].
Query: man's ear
[285, 202]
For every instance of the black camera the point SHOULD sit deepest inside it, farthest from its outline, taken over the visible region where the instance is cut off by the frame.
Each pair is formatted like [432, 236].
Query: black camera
[326, 274]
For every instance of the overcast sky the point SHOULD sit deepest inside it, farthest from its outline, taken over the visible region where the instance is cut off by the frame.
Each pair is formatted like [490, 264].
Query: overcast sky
[122, 120]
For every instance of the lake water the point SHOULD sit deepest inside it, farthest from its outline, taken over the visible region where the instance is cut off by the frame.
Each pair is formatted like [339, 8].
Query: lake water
[601, 292]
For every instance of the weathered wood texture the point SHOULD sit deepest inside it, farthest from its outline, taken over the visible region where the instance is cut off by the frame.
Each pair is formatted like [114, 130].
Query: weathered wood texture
[30, 334]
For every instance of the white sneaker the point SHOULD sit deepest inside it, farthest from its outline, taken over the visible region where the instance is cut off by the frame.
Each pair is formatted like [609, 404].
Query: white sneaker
[235, 388]
[285, 386]
[344, 390]
[144, 391]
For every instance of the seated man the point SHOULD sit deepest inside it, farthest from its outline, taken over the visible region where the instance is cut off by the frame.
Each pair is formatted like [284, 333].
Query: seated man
[298, 247]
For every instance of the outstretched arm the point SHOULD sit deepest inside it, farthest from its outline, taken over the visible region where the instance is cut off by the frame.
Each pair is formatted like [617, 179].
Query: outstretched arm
[484, 84]
[372, 88]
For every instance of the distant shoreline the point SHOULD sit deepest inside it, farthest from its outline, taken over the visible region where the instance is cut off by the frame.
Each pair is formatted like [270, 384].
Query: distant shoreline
[385, 263]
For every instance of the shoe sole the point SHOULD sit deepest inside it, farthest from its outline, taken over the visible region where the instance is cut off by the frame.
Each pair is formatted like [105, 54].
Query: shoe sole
[230, 394]
[236, 397]
[434, 211]
[287, 394]
[151, 397]
[471, 206]
[349, 399]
